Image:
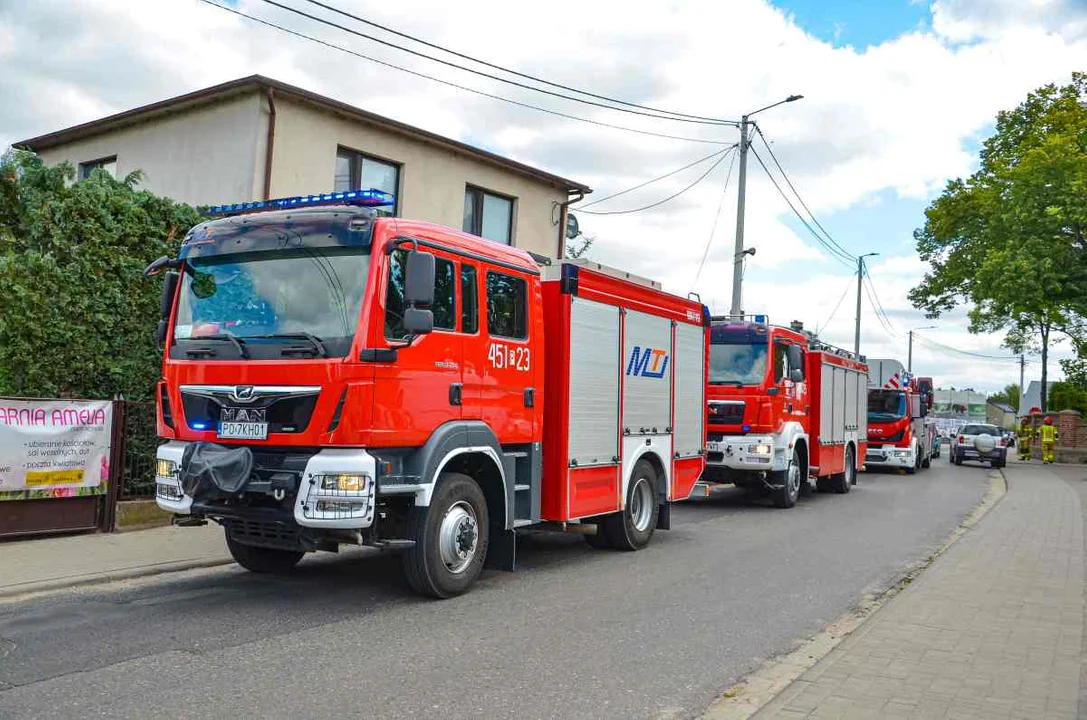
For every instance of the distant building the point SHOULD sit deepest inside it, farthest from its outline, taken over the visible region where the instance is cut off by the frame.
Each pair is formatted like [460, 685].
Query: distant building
[257, 138]
[962, 405]
[1033, 396]
[1000, 414]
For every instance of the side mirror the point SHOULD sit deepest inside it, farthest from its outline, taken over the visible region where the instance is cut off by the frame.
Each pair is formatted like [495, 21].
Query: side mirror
[796, 375]
[169, 289]
[419, 280]
[160, 333]
[158, 266]
[796, 358]
[916, 406]
[418, 322]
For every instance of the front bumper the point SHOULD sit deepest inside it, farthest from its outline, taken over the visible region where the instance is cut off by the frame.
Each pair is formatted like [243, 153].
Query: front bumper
[890, 457]
[313, 506]
[748, 453]
[970, 453]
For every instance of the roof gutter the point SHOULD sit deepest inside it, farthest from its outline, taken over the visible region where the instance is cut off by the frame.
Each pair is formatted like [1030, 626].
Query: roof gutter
[564, 208]
[269, 145]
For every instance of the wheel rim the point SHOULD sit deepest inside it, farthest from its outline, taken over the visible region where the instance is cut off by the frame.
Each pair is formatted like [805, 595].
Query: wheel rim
[641, 505]
[794, 478]
[458, 537]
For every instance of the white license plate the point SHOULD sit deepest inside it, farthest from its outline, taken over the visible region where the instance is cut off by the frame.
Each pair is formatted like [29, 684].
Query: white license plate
[243, 430]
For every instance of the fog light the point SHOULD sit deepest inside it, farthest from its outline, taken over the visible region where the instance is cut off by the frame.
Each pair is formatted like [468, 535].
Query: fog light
[345, 483]
[165, 468]
[340, 506]
[764, 449]
[168, 491]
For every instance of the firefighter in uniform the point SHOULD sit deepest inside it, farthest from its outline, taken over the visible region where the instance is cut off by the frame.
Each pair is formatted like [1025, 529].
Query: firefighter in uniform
[1048, 433]
[1024, 438]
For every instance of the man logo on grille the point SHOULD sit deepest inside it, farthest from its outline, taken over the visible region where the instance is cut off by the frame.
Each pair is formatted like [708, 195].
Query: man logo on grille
[243, 393]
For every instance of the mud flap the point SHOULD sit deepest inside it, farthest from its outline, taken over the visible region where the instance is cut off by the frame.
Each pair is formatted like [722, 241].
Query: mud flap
[501, 550]
[664, 517]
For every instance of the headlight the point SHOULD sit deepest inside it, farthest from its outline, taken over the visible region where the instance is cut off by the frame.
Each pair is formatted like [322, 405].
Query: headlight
[166, 468]
[353, 483]
[902, 453]
[761, 449]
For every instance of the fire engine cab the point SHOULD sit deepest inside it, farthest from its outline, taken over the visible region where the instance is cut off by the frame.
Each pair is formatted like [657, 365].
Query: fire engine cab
[784, 410]
[334, 376]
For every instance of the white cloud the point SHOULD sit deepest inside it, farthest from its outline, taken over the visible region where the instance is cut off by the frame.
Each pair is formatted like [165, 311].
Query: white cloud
[890, 120]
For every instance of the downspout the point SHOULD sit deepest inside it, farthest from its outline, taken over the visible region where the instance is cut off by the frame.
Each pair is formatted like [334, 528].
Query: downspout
[563, 210]
[269, 144]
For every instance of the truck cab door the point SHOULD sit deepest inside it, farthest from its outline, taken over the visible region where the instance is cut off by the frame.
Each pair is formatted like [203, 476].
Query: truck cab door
[422, 387]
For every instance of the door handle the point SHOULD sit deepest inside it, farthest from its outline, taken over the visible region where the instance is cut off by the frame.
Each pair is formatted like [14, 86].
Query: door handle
[456, 394]
[530, 397]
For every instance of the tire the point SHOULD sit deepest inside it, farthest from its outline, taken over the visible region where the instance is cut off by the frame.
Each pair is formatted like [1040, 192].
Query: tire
[632, 528]
[786, 495]
[916, 465]
[956, 459]
[270, 561]
[843, 481]
[450, 538]
[599, 539]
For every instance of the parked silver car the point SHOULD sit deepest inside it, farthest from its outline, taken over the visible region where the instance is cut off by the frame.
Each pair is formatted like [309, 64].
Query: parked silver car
[981, 443]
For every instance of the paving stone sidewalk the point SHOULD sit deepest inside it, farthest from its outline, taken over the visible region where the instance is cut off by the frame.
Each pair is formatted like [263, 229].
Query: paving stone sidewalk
[993, 629]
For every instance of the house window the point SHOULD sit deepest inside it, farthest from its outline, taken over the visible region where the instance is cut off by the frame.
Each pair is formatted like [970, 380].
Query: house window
[507, 314]
[355, 171]
[108, 164]
[488, 215]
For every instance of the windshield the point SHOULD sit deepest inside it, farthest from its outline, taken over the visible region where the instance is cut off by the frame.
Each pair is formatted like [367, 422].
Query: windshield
[885, 405]
[981, 430]
[277, 297]
[741, 363]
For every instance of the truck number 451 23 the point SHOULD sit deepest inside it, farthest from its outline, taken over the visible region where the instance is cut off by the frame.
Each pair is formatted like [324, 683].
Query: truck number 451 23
[509, 356]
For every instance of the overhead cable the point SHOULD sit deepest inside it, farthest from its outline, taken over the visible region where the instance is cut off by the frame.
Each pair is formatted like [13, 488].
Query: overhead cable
[875, 295]
[802, 203]
[713, 230]
[534, 78]
[967, 353]
[656, 179]
[834, 312]
[457, 86]
[875, 310]
[673, 196]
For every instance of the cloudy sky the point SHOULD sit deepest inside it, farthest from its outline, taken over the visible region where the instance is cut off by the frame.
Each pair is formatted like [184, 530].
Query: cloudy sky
[897, 96]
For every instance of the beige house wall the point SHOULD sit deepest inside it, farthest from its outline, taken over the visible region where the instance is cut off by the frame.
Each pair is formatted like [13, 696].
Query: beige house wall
[432, 178]
[202, 156]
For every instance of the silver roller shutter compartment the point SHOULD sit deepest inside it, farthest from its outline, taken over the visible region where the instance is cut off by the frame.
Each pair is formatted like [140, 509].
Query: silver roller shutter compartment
[690, 390]
[647, 369]
[594, 383]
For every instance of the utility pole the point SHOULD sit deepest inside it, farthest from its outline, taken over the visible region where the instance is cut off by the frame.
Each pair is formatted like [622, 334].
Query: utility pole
[738, 257]
[909, 356]
[1022, 387]
[860, 280]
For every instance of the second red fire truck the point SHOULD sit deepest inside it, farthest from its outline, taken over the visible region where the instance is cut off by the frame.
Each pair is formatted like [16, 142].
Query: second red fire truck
[331, 376]
[784, 410]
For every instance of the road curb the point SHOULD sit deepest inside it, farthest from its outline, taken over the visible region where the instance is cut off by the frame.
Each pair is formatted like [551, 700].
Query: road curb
[757, 689]
[32, 588]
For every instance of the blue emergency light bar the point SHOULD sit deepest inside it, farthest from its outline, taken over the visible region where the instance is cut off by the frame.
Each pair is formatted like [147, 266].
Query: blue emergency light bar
[760, 319]
[362, 198]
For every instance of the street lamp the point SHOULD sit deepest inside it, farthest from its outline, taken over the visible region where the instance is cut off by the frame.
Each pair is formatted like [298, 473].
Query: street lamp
[909, 356]
[860, 280]
[737, 265]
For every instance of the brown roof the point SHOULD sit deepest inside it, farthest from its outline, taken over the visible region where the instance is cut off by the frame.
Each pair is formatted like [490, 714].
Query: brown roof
[259, 82]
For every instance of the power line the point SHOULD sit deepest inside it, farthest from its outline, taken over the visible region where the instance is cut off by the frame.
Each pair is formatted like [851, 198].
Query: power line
[967, 353]
[875, 310]
[716, 217]
[872, 284]
[837, 254]
[534, 78]
[489, 76]
[699, 179]
[656, 179]
[802, 203]
[834, 312]
[448, 83]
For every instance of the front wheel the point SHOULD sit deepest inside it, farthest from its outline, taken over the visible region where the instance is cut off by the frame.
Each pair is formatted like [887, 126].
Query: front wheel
[788, 483]
[450, 538]
[916, 463]
[843, 482]
[632, 528]
[262, 560]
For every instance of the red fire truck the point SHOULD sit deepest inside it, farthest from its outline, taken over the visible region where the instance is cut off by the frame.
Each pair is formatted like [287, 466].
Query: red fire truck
[783, 410]
[332, 376]
[901, 435]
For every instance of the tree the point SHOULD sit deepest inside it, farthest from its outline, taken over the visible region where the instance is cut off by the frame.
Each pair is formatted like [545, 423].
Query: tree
[78, 317]
[1067, 396]
[1011, 240]
[1009, 396]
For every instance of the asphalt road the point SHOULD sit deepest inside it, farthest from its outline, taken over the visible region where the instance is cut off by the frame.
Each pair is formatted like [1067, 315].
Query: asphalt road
[574, 633]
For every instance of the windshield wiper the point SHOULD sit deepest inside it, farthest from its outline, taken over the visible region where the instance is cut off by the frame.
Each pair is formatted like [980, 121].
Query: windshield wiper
[318, 346]
[227, 335]
[737, 383]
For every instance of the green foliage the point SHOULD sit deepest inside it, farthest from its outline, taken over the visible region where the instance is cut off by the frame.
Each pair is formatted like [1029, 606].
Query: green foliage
[78, 317]
[1067, 396]
[1075, 370]
[1011, 240]
[577, 250]
[1009, 396]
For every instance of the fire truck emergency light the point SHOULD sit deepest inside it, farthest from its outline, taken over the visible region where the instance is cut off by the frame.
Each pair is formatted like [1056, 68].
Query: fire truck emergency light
[363, 198]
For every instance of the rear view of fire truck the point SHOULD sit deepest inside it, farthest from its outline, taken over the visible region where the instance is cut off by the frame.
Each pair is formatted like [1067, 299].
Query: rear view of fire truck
[386, 382]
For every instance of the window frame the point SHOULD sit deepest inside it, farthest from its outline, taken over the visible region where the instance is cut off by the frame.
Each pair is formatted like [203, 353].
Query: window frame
[86, 168]
[454, 311]
[356, 158]
[466, 266]
[524, 305]
[783, 344]
[478, 194]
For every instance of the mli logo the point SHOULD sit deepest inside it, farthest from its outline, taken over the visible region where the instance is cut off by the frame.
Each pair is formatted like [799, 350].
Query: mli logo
[647, 362]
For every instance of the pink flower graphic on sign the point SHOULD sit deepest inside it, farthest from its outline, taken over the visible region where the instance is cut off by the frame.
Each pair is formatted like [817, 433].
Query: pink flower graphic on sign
[62, 492]
[104, 475]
